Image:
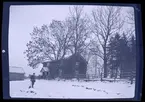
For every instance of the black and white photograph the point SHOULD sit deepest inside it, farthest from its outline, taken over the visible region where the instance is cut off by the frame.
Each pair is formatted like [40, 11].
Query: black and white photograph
[72, 51]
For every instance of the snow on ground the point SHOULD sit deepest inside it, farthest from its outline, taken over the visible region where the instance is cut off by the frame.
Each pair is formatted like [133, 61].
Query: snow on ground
[71, 89]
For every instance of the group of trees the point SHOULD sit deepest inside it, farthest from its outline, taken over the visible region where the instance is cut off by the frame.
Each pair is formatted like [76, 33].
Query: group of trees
[60, 38]
[121, 56]
[98, 35]
[106, 21]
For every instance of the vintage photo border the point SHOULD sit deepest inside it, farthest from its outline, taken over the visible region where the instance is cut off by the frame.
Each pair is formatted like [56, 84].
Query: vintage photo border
[5, 37]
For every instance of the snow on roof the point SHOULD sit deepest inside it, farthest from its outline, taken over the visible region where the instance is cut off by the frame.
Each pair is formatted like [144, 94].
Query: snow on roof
[15, 69]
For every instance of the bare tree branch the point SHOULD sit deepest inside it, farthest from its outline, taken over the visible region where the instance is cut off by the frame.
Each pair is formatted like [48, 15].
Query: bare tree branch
[79, 29]
[106, 23]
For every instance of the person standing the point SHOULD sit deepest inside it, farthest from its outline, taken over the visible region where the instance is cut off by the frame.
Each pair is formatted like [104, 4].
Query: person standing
[32, 79]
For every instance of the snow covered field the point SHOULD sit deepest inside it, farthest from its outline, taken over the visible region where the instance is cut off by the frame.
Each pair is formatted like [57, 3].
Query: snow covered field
[71, 89]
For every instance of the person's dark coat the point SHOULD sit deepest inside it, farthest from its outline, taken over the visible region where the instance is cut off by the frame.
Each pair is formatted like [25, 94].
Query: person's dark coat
[32, 77]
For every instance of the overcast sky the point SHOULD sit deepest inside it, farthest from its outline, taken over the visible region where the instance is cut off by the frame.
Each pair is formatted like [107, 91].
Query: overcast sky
[22, 19]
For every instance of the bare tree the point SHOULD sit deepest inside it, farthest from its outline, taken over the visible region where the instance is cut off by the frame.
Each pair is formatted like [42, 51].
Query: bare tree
[38, 48]
[131, 22]
[61, 34]
[130, 16]
[96, 54]
[106, 22]
[48, 42]
[80, 29]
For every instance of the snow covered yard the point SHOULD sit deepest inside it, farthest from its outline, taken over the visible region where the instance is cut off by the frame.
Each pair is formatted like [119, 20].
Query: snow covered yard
[71, 89]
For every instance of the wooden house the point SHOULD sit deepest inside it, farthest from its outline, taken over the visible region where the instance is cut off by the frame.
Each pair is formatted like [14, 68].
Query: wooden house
[71, 67]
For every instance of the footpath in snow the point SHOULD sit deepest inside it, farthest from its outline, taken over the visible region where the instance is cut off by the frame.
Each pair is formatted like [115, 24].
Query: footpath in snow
[71, 89]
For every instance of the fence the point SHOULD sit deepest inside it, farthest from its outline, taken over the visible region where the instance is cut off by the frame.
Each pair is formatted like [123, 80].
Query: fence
[125, 76]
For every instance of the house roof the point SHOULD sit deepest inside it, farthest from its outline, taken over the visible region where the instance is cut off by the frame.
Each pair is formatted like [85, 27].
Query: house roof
[78, 56]
[14, 69]
[67, 58]
[44, 69]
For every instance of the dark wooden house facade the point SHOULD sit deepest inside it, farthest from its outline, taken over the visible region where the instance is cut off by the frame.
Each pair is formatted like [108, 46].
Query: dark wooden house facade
[71, 67]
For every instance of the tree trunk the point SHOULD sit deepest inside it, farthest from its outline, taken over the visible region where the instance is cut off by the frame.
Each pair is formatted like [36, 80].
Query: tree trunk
[116, 73]
[112, 73]
[96, 68]
[105, 63]
[121, 70]
[101, 77]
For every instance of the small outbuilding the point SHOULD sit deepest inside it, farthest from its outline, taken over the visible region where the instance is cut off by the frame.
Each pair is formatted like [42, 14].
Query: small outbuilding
[16, 73]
